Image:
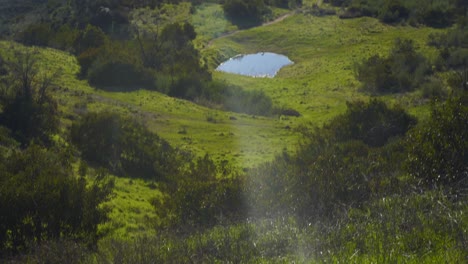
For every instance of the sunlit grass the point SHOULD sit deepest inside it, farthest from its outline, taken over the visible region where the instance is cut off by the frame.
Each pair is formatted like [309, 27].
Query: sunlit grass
[317, 85]
[324, 51]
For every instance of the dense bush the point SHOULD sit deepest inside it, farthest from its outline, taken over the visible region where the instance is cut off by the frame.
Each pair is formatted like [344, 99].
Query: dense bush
[246, 13]
[373, 123]
[124, 146]
[438, 149]
[28, 109]
[40, 199]
[403, 70]
[198, 198]
[119, 74]
[36, 34]
[453, 54]
[436, 13]
[334, 168]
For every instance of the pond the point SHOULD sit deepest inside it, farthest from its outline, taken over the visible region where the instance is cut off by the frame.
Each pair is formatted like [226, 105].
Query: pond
[262, 64]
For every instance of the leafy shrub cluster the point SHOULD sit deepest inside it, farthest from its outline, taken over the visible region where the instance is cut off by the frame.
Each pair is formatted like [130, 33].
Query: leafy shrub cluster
[372, 123]
[41, 199]
[332, 170]
[248, 13]
[28, 109]
[123, 146]
[441, 13]
[404, 69]
[453, 54]
[197, 198]
[339, 197]
[438, 151]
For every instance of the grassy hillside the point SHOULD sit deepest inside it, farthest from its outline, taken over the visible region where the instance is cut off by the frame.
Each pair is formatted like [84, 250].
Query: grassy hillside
[324, 51]
[317, 85]
[266, 150]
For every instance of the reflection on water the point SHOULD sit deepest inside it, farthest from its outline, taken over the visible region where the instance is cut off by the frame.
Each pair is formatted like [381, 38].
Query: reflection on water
[262, 64]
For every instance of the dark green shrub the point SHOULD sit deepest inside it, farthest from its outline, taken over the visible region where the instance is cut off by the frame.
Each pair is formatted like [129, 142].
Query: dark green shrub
[36, 35]
[123, 146]
[402, 70]
[90, 37]
[245, 13]
[86, 59]
[40, 199]
[373, 123]
[28, 109]
[199, 198]
[119, 75]
[438, 149]
[393, 11]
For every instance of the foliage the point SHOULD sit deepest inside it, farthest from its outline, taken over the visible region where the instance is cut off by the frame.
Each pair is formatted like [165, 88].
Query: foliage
[123, 146]
[438, 149]
[199, 199]
[453, 54]
[28, 109]
[36, 35]
[41, 200]
[245, 13]
[439, 13]
[427, 227]
[334, 168]
[373, 123]
[403, 70]
[54, 252]
[90, 38]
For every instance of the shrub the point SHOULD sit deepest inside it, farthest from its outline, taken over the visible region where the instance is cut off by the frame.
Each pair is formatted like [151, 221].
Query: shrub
[36, 35]
[119, 74]
[40, 199]
[438, 149]
[403, 70]
[123, 146]
[245, 13]
[373, 123]
[199, 198]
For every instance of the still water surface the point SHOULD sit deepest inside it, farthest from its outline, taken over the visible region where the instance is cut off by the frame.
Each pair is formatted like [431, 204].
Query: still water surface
[262, 64]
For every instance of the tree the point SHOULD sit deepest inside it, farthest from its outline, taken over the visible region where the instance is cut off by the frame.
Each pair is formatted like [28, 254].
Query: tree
[438, 149]
[41, 199]
[404, 69]
[124, 146]
[373, 123]
[29, 110]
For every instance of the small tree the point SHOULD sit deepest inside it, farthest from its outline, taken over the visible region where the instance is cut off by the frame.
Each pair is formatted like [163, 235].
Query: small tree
[438, 149]
[29, 111]
[40, 200]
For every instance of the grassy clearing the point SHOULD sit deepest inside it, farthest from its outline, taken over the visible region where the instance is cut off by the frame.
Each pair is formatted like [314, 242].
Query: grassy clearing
[317, 85]
[132, 214]
[324, 50]
[241, 139]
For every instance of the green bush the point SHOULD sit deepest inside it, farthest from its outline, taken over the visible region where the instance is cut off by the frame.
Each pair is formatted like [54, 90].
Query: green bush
[123, 146]
[438, 149]
[119, 75]
[199, 198]
[245, 13]
[373, 123]
[40, 199]
[402, 70]
[36, 35]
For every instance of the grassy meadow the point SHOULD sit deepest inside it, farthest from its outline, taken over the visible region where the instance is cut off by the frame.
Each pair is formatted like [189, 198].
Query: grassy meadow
[318, 85]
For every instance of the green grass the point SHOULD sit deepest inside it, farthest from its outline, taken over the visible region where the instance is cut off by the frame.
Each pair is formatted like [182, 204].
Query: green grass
[317, 85]
[324, 51]
[131, 212]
